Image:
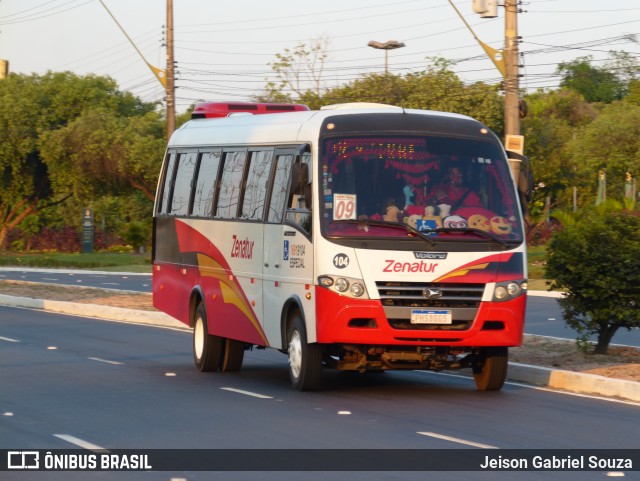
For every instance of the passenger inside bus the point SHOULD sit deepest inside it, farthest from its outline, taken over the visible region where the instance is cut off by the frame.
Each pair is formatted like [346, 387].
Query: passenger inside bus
[453, 191]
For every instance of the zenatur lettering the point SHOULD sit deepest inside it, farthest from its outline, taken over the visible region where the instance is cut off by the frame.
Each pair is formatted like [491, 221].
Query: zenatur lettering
[242, 249]
[421, 266]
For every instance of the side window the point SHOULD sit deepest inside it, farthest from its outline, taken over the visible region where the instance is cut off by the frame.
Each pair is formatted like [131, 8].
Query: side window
[170, 163]
[280, 187]
[255, 191]
[182, 184]
[299, 204]
[207, 175]
[230, 183]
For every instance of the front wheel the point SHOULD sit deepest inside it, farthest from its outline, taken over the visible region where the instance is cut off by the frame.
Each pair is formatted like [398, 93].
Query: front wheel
[305, 360]
[490, 371]
[207, 349]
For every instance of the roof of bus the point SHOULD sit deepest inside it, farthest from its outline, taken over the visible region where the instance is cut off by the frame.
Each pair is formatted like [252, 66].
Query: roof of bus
[289, 127]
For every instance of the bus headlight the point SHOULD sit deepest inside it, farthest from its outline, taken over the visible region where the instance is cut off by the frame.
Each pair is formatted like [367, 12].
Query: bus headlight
[346, 286]
[342, 284]
[505, 291]
[357, 289]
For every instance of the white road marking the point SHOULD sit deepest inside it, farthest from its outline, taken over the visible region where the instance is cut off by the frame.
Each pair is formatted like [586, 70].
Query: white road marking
[80, 442]
[109, 283]
[105, 360]
[246, 393]
[8, 339]
[458, 440]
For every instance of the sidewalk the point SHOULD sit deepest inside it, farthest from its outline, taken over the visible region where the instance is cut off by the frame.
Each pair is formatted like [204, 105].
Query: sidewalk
[534, 375]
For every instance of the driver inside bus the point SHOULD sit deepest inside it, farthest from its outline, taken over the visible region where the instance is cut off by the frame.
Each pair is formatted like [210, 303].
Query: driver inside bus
[454, 192]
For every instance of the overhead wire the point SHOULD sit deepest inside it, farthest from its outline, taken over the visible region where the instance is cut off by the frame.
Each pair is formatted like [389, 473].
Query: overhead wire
[42, 14]
[249, 74]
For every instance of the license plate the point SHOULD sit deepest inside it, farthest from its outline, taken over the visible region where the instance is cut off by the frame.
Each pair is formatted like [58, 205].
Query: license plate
[429, 316]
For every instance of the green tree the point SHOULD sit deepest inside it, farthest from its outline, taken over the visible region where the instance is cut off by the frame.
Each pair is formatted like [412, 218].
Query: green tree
[436, 88]
[553, 120]
[611, 142]
[596, 259]
[123, 152]
[33, 106]
[595, 84]
[377, 88]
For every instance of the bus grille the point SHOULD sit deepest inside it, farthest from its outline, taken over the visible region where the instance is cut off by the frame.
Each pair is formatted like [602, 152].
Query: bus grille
[400, 298]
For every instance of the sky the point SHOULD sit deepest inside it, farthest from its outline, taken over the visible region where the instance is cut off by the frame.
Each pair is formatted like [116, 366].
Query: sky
[223, 49]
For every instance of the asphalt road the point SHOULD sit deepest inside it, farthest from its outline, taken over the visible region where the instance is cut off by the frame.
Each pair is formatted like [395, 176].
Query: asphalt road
[543, 318]
[104, 280]
[67, 380]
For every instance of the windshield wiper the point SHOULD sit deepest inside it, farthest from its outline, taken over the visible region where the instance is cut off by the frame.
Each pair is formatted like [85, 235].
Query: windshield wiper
[383, 223]
[469, 230]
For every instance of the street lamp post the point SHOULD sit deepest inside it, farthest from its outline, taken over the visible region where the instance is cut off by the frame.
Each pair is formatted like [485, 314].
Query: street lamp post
[386, 46]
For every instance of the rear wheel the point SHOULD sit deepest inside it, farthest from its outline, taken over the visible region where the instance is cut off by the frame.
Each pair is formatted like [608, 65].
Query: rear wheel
[233, 356]
[490, 372]
[305, 360]
[207, 349]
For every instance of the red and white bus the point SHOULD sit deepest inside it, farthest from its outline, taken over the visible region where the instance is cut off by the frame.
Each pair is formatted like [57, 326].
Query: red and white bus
[329, 236]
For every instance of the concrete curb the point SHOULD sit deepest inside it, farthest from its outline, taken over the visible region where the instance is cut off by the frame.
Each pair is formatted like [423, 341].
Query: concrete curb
[537, 376]
[577, 382]
[94, 310]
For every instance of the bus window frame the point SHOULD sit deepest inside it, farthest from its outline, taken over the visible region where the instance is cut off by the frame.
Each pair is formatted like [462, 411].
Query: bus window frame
[180, 155]
[243, 189]
[223, 162]
[302, 151]
[168, 164]
[201, 153]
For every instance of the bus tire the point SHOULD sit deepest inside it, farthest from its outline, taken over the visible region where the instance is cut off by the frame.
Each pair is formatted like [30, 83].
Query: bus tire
[305, 360]
[491, 372]
[207, 349]
[233, 356]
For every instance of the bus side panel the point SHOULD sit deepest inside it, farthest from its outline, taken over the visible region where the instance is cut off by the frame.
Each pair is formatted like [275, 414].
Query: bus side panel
[231, 284]
[171, 289]
[170, 293]
[228, 314]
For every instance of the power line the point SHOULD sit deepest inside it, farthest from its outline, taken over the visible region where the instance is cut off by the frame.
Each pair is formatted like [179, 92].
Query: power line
[41, 15]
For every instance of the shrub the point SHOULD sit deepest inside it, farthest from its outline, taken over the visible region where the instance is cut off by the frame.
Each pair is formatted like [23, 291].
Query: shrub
[597, 261]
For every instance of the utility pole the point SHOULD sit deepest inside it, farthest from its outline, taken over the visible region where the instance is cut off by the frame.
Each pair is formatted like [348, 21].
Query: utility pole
[4, 69]
[506, 61]
[511, 83]
[170, 87]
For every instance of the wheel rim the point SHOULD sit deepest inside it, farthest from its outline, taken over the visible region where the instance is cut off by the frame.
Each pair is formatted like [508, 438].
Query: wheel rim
[295, 354]
[198, 338]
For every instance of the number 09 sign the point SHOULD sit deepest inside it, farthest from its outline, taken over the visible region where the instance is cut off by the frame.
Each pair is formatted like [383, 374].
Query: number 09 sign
[344, 206]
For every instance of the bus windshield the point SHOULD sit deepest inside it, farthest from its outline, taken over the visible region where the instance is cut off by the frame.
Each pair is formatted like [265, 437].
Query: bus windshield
[444, 187]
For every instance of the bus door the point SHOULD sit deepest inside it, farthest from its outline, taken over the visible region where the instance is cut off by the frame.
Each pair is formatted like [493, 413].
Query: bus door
[288, 251]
